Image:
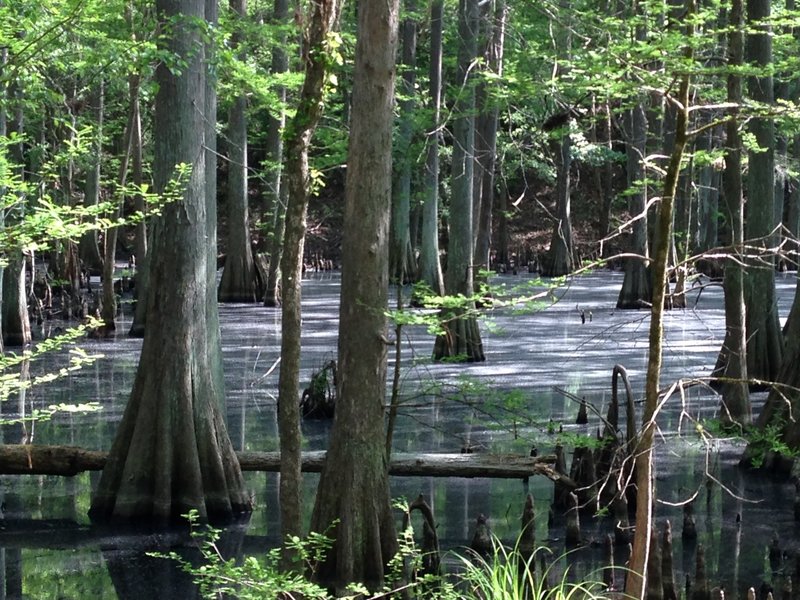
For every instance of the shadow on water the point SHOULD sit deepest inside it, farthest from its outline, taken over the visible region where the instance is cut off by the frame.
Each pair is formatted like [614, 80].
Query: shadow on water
[539, 365]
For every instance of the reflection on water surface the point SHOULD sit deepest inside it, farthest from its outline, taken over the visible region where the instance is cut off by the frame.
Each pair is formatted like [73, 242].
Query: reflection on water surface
[537, 364]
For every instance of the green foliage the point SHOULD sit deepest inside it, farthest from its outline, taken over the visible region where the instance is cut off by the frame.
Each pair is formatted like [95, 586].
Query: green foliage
[252, 578]
[510, 575]
[11, 382]
[505, 575]
[761, 442]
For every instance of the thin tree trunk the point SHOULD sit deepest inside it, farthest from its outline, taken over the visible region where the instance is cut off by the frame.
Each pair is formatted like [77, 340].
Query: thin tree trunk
[211, 10]
[109, 305]
[140, 257]
[487, 134]
[321, 23]
[88, 248]
[401, 256]
[278, 194]
[636, 584]
[430, 268]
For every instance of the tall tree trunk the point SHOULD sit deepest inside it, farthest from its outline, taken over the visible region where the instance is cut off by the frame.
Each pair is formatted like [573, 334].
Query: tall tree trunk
[636, 290]
[321, 23]
[211, 11]
[486, 139]
[636, 584]
[430, 268]
[401, 256]
[462, 337]
[16, 323]
[3, 190]
[109, 304]
[764, 338]
[560, 258]
[88, 248]
[240, 281]
[354, 487]
[732, 362]
[278, 193]
[172, 452]
[707, 197]
[141, 252]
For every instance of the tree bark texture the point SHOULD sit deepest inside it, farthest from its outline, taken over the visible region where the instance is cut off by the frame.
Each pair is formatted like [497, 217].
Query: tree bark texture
[241, 281]
[67, 461]
[322, 22]
[486, 139]
[278, 191]
[560, 258]
[88, 248]
[636, 585]
[140, 253]
[171, 452]
[783, 402]
[764, 338]
[16, 321]
[109, 304]
[636, 290]
[354, 486]
[430, 267]
[732, 361]
[211, 12]
[462, 337]
[401, 256]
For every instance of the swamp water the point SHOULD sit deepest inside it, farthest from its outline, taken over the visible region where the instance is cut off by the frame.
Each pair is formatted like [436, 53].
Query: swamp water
[538, 364]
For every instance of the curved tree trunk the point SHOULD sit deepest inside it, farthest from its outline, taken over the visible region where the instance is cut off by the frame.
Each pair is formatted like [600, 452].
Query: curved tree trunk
[279, 195]
[636, 290]
[172, 452]
[354, 486]
[430, 268]
[764, 337]
[732, 362]
[462, 338]
[240, 281]
[321, 24]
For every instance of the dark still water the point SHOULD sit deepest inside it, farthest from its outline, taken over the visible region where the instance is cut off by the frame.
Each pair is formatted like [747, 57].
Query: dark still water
[538, 363]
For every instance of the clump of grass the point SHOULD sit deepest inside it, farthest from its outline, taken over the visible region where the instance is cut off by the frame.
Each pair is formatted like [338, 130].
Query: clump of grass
[507, 574]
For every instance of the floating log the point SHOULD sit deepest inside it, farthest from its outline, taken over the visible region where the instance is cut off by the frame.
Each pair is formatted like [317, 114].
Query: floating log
[32, 459]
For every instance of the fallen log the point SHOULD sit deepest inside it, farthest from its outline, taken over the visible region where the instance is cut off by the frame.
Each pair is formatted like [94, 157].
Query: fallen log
[70, 460]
